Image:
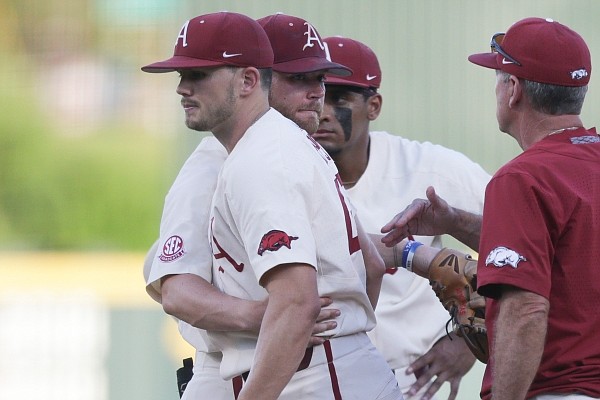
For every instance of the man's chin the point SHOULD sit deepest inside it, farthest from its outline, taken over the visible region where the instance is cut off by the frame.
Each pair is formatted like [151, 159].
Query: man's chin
[332, 150]
[309, 125]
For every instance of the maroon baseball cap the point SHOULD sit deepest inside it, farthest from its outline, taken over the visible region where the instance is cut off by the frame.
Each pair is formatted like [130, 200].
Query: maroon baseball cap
[297, 46]
[540, 50]
[222, 38]
[359, 57]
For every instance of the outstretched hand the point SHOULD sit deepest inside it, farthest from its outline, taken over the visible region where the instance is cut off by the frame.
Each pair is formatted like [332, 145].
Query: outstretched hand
[425, 217]
[447, 361]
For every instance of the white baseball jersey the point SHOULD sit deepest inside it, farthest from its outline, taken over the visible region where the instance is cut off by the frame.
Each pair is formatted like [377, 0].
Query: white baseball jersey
[278, 200]
[410, 319]
[183, 249]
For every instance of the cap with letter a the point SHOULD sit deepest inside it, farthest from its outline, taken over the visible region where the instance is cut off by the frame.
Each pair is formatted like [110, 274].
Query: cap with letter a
[298, 47]
[217, 39]
[539, 50]
[366, 72]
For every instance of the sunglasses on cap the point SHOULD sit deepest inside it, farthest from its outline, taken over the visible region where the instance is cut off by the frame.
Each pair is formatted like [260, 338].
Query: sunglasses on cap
[496, 48]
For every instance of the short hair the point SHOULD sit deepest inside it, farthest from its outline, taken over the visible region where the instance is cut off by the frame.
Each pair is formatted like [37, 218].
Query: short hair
[368, 92]
[552, 99]
[365, 92]
[266, 76]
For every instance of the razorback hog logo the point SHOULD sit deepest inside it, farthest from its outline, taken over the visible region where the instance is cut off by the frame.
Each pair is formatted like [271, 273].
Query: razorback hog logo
[579, 74]
[273, 240]
[502, 256]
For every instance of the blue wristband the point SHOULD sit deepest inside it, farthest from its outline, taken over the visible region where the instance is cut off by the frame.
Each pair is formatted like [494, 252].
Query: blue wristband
[408, 253]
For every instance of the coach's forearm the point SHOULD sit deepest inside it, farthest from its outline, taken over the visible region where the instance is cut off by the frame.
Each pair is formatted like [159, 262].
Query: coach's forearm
[520, 333]
[287, 325]
[467, 228]
[192, 299]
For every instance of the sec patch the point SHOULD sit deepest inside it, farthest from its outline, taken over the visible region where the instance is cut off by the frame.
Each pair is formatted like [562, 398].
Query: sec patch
[172, 249]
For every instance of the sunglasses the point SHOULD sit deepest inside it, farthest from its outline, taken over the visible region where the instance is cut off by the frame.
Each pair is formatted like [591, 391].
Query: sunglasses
[496, 48]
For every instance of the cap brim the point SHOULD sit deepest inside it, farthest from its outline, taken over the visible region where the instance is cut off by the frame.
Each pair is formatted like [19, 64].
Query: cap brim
[338, 80]
[311, 64]
[176, 63]
[488, 60]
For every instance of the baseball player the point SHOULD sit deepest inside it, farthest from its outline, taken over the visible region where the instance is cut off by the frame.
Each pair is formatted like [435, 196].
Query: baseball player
[184, 252]
[174, 251]
[264, 227]
[380, 172]
[537, 262]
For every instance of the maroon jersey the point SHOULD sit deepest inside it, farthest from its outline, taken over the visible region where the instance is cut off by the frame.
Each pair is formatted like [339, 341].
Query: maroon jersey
[541, 233]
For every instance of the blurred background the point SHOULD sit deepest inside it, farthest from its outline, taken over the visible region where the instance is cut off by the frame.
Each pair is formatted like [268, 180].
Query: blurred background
[89, 146]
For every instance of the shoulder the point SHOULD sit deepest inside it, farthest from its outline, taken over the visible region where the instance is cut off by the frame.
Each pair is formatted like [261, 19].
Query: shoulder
[409, 144]
[270, 149]
[202, 165]
[210, 144]
[414, 149]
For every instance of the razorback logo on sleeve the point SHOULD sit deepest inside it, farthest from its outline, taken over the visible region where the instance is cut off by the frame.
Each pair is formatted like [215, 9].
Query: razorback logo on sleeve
[274, 240]
[172, 249]
[501, 256]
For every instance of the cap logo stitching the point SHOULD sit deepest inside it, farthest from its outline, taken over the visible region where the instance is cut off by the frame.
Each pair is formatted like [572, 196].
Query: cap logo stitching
[183, 34]
[312, 36]
[505, 61]
[327, 54]
[225, 55]
[579, 74]
[371, 77]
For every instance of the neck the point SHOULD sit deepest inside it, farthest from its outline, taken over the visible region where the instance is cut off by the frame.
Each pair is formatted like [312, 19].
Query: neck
[546, 126]
[352, 162]
[230, 132]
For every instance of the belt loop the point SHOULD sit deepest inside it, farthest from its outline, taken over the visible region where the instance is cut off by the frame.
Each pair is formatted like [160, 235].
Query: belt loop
[237, 382]
[306, 359]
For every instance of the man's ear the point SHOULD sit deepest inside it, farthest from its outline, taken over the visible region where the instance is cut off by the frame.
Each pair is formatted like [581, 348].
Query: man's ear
[374, 104]
[516, 91]
[250, 80]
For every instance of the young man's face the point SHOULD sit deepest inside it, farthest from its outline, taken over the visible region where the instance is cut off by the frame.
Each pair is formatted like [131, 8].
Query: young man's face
[207, 96]
[344, 119]
[299, 97]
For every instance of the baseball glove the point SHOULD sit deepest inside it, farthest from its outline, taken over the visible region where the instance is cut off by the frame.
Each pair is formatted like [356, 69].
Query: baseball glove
[453, 277]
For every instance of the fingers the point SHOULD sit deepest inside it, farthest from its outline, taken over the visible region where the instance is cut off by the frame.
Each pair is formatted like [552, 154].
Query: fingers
[446, 361]
[436, 201]
[325, 301]
[431, 195]
[454, 385]
[325, 321]
[394, 237]
[316, 340]
[402, 219]
[324, 326]
[427, 378]
[319, 328]
[327, 314]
